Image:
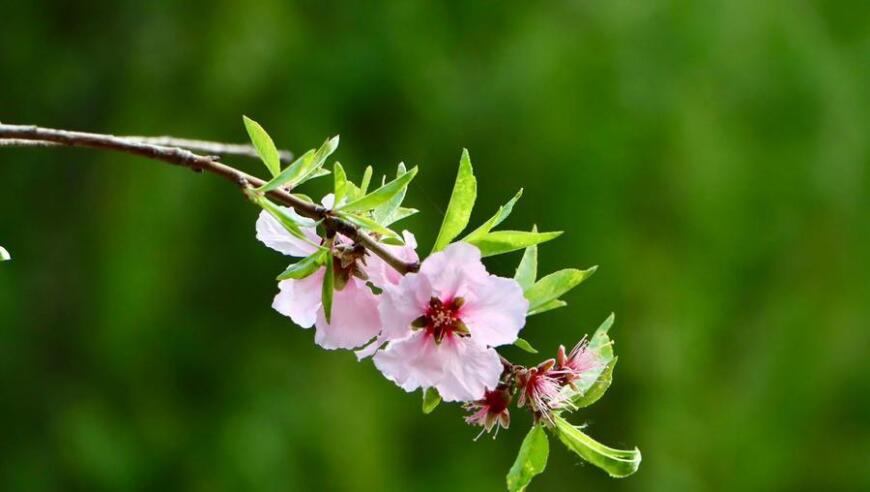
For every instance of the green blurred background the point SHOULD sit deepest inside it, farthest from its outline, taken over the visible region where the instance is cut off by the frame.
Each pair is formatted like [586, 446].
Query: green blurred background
[711, 157]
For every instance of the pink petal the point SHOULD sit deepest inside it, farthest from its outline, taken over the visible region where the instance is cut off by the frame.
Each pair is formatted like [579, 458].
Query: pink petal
[300, 299]
[380, 273]
[472, 370]
[450, 272]
[458, 368]
[271, 233]
[354, 320]
[402, 304]
[411, 362]
[495, 311]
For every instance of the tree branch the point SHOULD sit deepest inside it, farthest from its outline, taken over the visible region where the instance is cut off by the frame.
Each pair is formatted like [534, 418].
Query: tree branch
[206, 147]
[179, 155]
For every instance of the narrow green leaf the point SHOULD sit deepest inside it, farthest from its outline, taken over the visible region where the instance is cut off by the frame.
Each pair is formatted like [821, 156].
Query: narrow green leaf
[503, 212]
[554, 304]
[264, 146]
[385, 212]
[290, 173]
[302, 168]
[399, 214]
[461, 203]
[500, 242]
[371, 225]
[431, 399]
[525, 345]
[366, 179]
[304, 267]
[594, 393]
[618, 463]
[318, 173]
[382, 194]
[600, 342]
[329, 146]
[531, 459]
[551, 287]
[340, 180]
[4, 255]
[527, 270]
[328, 287]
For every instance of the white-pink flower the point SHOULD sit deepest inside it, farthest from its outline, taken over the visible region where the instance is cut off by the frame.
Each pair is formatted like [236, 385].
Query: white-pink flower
[355, 319]
[443, 321]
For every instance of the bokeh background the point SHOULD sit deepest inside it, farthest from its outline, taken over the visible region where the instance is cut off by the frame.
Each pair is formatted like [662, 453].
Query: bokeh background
[711, 157]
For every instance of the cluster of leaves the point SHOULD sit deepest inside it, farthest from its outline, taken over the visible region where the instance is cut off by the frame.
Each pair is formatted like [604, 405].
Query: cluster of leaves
[376, 210]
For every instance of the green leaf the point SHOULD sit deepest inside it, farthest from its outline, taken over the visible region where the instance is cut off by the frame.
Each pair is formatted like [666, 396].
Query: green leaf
[592, 394]
[551, 287]
[4, 255]
[617, 463]
[371, 225]
[524, 345]
[400, 214]
[500, 242]
[302, 168]
[531, 459]
[461, 203]
[600, 342]
[318, 173]
[503, 212]
[554, 304]
[328, 287]
[340, 180]
[382, 194]
[386, 212]
[527, 270]
[264, 146]
[366, 179]
[431, 399]
[304, 267]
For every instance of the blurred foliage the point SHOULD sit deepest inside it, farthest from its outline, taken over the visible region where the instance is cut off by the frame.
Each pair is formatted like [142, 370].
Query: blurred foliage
[711, 157]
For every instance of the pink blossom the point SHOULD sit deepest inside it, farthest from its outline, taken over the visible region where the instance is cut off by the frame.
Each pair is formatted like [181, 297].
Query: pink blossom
[355, 318]
[443, 322]
[541, 389]
[491, 411]
[579, 362]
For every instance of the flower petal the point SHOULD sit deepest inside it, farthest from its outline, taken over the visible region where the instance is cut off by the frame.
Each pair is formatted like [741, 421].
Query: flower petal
[495, 311]
[458, 368]
[380, 273]
[470, 371]
[271, 233]
[354, 321]
[411, 363]
[300, 299]
[402, 304]
[452, 271]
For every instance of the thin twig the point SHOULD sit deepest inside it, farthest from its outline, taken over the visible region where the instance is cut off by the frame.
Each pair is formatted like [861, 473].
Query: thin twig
[206, 147]
[12, 134]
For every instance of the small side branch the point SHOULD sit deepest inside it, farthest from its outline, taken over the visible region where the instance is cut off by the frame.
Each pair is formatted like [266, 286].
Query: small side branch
[181, 155]
[203, 146]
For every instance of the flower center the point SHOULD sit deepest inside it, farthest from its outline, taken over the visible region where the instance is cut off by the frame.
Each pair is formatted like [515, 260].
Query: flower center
[442, 319]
